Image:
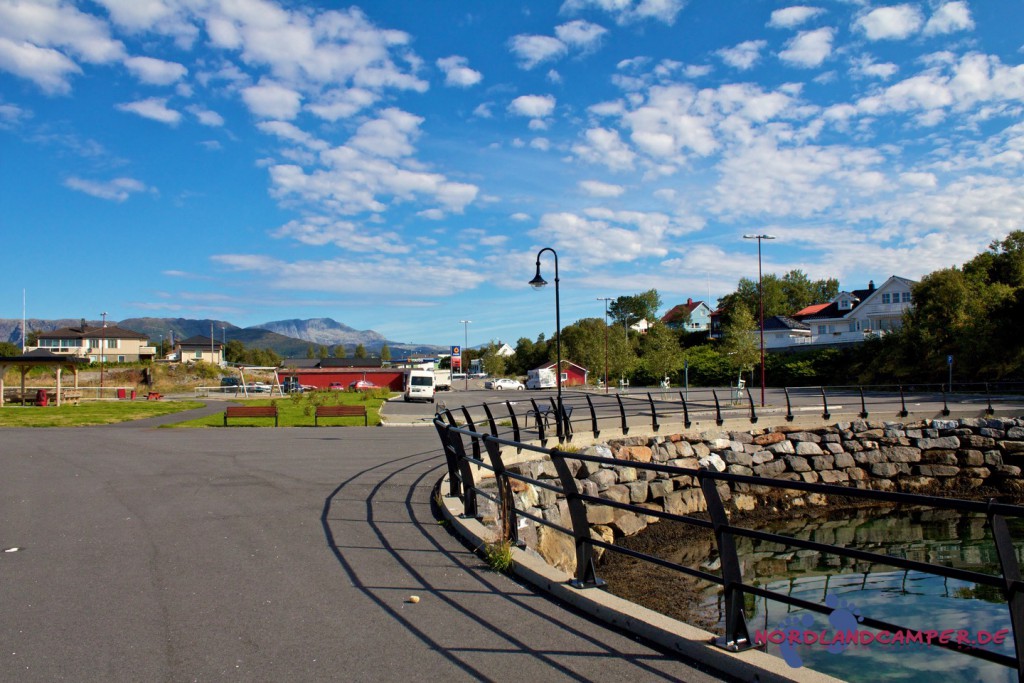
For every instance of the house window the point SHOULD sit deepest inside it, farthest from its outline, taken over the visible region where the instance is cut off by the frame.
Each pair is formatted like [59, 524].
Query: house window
[565, 377]
[906, 297]
[113, 343]
[887, 298]
[822, 329]
[120, 359]
[853, 327]
[198, 355]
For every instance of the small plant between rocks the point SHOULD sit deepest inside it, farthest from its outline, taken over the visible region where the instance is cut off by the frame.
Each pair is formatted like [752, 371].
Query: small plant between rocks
[498, 556]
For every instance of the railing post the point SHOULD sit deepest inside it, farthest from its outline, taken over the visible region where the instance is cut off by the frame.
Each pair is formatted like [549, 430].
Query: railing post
[451, 418]
[789, 406]
[593, 418]
[654, 413]
[540, 420]
[622, 414]
[451, 456]
[1012, 589]
[945, 402]
[864, 405]
[515, 423]
[586, 575]
[686, 412]
[903, 404]
[472, 428]
[990, 410]
[753, 415]
[506, 499]
[490, 420]
[824, 402]
[736, 638]
[564, 417]
[718, 409]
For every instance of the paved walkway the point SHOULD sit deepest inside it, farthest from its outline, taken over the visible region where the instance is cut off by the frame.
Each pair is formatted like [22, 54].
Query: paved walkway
[253, 554]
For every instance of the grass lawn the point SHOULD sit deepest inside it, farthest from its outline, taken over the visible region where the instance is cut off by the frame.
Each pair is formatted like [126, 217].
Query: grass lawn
[89, 413]
[297, 410]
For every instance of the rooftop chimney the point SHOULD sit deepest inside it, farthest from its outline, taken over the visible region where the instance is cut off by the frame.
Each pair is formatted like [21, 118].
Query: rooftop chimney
[871, 285]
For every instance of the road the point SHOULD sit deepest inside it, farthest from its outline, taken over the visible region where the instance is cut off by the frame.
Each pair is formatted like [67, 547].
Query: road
[262, 554]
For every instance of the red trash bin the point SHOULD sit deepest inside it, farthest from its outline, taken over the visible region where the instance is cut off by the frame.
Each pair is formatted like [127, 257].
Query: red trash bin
[133, 394]
[42, 398]
[120, 394]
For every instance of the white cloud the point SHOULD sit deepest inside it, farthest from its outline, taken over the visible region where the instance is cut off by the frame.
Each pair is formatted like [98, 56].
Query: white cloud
[627, 11]
[159, 16]
[206, 116]
[272, 101]
[342, 103]
[118, 189]
[532, 50]
[890, 23]
[866, 67]
[790, 17]
[533, 106]
[603, 236]
[457, 72]
[49, 69]
[291, 133]
[949, 18]
[604, 146]
[155, 71]
[154, 108]
[595, 188]
[322, 230]
[437, 276]
[391, 135]
[809, 48]
[744, 55]
[579, 33]
[11, 115]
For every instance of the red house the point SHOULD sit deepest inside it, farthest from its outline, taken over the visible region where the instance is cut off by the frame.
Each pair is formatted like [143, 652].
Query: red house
[572, 375]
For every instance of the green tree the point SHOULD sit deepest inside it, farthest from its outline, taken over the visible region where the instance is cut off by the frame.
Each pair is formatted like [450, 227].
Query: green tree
[339, 351]
[385, 353]
[782, 296]
[739, 343]
[360, 351]
[660, 353]
[234, 351]
[629, 310]
[492, 362]
[322, 352]
[310, 352]
[583, 343]
[7, 349]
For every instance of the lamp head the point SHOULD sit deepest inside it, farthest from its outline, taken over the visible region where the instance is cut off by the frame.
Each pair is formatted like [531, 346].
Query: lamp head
[537, 282]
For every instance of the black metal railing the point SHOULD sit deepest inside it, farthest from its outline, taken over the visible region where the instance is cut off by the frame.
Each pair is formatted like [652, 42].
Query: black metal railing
[461, 461]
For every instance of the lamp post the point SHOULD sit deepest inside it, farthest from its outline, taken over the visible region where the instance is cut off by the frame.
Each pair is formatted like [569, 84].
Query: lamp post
[465, 349]
[760, 297]
[605, 299]
[537, 282]
[103, 336]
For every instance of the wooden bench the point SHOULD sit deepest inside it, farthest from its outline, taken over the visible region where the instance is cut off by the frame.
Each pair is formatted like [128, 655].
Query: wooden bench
[250, 411]
[72, 396]
[340, 411]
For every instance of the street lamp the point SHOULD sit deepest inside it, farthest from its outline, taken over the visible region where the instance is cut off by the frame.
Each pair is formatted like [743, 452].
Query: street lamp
[537, 282]
[103, 336]
[605, 299]
[760, 297]
[465, 349]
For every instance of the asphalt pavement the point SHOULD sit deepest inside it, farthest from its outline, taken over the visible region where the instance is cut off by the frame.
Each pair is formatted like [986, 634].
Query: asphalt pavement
[263, 554]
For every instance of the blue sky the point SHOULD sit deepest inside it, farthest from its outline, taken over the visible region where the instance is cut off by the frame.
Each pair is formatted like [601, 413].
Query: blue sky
[397, 164]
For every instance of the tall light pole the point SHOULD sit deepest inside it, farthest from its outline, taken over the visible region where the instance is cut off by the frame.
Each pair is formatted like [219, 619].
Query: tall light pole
[760, 297]
[605, 299]
[103, 336]
[465, 349]
[537, 282]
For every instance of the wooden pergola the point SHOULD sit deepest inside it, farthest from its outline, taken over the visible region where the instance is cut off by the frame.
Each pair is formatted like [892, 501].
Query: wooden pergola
[38, 358]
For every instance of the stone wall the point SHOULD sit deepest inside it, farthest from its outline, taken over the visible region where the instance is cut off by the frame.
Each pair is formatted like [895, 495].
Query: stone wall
[960, 458]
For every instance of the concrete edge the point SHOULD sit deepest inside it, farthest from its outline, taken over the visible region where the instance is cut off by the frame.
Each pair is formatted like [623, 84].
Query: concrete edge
[676, 636]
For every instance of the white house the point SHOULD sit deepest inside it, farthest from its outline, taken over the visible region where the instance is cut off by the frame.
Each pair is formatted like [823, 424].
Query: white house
[856, 315]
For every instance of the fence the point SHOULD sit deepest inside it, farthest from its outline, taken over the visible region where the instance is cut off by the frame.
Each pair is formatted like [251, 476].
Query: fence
[464, 446]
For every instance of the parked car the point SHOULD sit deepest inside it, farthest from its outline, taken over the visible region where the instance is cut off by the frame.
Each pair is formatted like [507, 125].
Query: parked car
[362, 385]
[504, 383]
[257, 387]
[229, 384]
[336, 386]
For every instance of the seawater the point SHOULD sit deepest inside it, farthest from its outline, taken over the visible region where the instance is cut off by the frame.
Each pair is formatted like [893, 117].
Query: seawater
[857, 589]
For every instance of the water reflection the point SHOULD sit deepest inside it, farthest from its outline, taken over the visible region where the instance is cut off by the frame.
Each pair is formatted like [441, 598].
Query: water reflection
[910, 599]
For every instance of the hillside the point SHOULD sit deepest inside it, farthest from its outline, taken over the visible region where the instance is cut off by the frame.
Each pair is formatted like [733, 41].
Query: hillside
[288, 338]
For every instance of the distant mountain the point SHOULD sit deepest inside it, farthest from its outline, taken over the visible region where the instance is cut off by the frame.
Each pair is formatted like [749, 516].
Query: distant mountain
[288, 338]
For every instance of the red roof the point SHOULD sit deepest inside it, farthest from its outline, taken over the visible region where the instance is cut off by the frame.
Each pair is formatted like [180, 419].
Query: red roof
[811, 310]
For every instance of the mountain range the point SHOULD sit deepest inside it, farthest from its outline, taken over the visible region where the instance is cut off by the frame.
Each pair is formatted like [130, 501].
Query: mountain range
[288, 338]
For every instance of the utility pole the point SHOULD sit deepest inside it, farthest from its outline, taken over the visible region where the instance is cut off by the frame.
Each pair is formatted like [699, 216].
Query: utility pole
[605, 299]
[760, 296]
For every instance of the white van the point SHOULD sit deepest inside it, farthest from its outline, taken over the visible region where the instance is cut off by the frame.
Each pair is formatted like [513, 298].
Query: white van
[419, 385]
